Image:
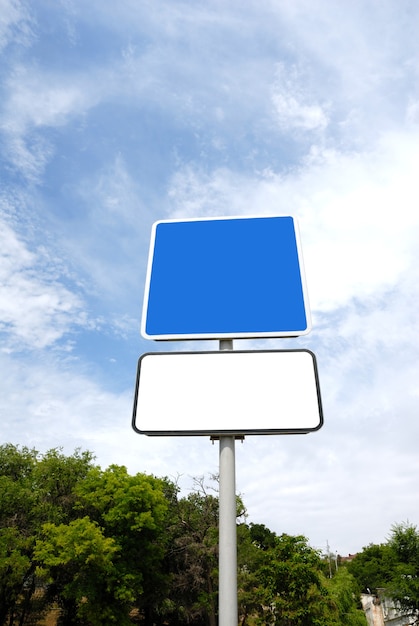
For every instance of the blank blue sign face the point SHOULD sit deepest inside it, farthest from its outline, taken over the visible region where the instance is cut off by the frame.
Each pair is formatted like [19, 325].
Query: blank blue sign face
[225, 278]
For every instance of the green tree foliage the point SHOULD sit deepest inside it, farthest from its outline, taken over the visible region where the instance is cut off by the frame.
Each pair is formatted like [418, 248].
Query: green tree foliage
[19, 517]
[392, 568]
[109, 548]
[404, 584]
[343, 590]
[282, 581]
[294, 586]
[92, 540]
[133, 511]
[192, 560]
[253, 541]
[77, 561]
[373, 567]
[262, 537]
[15, 569]
[34, 489]
[55, 477]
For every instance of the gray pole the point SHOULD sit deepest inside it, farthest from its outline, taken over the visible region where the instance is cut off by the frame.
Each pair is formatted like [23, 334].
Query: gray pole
[227, 587]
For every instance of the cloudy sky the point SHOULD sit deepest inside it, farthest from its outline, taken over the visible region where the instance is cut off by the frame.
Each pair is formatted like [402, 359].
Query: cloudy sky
[115, 115]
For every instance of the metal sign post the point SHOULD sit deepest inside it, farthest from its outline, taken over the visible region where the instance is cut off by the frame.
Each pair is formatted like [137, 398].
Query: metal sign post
[227, 586]
[226, 278]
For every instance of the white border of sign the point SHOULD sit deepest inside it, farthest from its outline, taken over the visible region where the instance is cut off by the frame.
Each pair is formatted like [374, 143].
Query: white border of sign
[220, 335]
[264, 392]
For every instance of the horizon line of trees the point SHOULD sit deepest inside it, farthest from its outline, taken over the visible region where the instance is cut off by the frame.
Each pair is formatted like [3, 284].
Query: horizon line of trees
[105, 547]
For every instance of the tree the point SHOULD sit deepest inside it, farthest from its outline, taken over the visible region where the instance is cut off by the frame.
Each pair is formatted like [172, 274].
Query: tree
[102, 543]
[294, 591]
[252, 541]
[55, 477]
[133, 512]
[262, 537]
[192, 556]
[34, 489]
[373, 567]
[15, 567]
[343, 591]
[192, 560]
[18, 502]
[77, 562]
[404, 584]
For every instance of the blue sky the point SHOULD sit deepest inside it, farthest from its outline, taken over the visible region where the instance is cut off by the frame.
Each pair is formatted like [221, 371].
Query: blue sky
[115, 115]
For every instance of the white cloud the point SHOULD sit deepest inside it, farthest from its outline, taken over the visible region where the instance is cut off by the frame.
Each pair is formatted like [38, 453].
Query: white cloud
[361, 48]
[412, 112]
[28, 155]
[36, 310]
[116, 225]
[37, 101]
[43, 101]
[357, 213]
[293, 105]
[15, 23]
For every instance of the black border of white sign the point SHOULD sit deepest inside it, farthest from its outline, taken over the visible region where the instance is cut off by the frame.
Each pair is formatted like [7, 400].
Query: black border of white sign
[238, 392]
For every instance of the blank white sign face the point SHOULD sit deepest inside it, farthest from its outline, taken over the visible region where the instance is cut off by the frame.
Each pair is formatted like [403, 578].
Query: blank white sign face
[227, 392]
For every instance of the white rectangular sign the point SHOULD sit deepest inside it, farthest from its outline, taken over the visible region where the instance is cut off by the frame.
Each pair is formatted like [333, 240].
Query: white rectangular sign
[227, 392]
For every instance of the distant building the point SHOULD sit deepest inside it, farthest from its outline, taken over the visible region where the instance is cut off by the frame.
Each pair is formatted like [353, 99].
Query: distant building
[346, 559]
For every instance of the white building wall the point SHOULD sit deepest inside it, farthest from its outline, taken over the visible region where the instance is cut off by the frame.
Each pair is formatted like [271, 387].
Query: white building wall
[380, 611]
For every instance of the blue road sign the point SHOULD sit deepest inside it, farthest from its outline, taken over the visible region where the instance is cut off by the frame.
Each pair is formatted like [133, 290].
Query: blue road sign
[218, 278]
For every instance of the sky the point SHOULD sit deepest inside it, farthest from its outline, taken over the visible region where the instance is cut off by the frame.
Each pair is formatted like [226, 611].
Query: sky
[116, 115]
